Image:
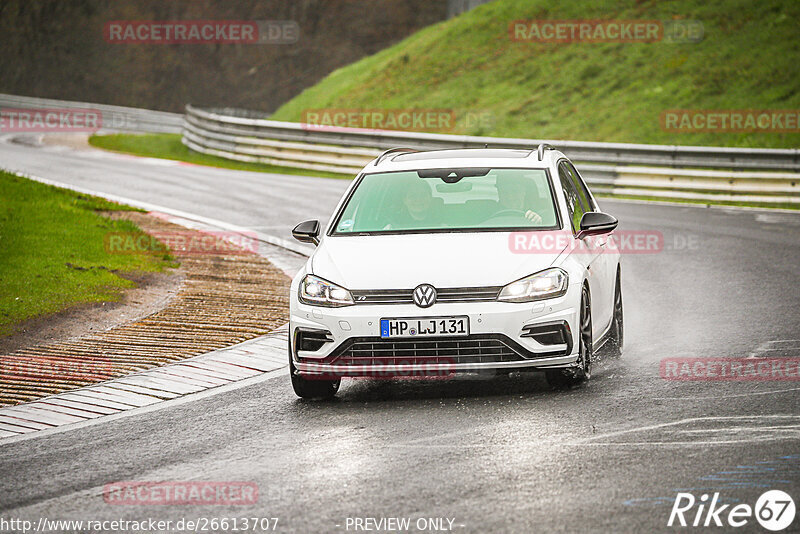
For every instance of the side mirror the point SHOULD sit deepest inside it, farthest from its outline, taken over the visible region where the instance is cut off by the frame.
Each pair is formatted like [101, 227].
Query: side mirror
[596, 223]
[307, 232]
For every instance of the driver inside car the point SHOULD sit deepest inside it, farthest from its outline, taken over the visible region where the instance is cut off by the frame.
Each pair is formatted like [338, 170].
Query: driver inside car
[418, 208]
[514, 194]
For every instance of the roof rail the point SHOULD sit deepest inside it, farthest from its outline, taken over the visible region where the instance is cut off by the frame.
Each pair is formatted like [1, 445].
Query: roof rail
[542, 148]
[393, 151]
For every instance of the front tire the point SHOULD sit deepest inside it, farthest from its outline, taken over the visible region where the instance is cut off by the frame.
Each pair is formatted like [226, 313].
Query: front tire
[564, 378]
[311, 389]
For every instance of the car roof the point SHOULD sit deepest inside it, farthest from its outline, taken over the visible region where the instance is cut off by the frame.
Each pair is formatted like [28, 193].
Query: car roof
[409, 159]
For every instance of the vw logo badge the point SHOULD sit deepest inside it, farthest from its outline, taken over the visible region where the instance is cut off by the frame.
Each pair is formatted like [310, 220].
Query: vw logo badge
[424, 295]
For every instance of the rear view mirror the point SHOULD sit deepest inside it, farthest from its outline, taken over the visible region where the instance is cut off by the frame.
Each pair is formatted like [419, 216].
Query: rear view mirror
[452, 176]
[307, 232]
[596, 223]
[460, 187]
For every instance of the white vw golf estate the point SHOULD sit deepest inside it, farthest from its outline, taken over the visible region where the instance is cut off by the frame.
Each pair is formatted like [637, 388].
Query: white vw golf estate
[457, 261]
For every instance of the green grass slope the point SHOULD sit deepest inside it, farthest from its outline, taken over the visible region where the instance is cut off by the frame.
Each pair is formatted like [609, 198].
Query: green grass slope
[52, 253]
[749, 59]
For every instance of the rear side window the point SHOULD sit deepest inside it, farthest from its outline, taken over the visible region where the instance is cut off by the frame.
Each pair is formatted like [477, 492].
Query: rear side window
[575, 205]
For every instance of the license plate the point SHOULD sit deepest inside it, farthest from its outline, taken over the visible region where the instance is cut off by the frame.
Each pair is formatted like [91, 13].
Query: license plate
[425, 327]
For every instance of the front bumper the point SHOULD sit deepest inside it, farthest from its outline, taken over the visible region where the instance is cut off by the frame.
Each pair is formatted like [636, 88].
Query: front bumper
[350, 343]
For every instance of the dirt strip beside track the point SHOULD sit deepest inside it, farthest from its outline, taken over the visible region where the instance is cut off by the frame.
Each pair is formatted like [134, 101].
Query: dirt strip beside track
[225, 298]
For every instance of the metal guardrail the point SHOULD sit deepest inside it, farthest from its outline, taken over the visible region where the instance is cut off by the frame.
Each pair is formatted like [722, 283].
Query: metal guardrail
[669, 172]
[114, 118]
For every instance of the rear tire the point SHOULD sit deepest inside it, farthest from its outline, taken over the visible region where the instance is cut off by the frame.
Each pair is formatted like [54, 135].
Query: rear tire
[565, 378]
[311, 389]
[617, 340]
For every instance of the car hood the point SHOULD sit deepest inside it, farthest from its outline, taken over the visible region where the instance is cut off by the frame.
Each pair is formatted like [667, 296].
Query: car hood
[405, 261]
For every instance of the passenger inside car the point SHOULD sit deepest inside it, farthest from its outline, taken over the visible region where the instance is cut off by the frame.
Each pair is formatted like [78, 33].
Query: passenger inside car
[418, 208]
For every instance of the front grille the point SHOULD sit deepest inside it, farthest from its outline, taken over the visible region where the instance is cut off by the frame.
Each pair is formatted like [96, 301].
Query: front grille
[472, 349]
[448, 294]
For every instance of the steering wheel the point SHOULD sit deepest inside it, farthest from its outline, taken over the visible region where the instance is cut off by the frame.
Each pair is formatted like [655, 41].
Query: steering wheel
[506, 213]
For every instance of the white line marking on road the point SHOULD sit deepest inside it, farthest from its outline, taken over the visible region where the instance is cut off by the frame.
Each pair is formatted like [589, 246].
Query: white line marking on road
[674, 443]
[692, 420]
[767, 346]
[770, 392]
[791, 428]
[754, 434]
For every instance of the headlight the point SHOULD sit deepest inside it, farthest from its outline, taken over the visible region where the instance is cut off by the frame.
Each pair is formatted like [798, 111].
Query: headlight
[319, 292]
[547, 284]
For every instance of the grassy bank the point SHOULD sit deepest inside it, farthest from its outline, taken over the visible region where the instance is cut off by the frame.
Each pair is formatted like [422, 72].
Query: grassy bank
[169, 146]
[584, 91]
[53, 253]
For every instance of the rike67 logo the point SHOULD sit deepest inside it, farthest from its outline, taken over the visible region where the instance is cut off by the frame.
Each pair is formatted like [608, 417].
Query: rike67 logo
[774, 510]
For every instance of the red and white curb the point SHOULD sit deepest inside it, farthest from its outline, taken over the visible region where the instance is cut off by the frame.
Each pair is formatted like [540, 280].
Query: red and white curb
[215, 369]
[254, 360]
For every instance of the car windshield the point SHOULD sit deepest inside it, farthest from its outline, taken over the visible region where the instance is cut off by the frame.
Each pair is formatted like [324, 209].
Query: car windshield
[449, 200]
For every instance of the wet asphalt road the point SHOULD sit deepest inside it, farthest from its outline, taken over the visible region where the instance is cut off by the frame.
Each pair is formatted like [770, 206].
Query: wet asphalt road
[500, 455]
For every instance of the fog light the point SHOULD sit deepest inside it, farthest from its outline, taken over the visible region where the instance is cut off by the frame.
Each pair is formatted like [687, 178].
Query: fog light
[553, 333]
[310, 340]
